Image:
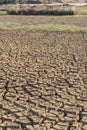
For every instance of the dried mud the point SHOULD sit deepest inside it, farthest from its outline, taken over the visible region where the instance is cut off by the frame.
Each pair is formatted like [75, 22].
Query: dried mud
[43, 80]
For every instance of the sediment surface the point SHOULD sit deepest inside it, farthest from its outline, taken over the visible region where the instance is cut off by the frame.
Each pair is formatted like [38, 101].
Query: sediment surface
[43, 80]
[35, 20]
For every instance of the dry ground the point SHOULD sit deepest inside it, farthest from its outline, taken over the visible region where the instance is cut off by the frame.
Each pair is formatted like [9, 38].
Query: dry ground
[34, 20]
[43, 80]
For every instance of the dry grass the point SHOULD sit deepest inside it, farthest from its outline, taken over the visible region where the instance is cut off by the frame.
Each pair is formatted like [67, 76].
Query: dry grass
[82, 10]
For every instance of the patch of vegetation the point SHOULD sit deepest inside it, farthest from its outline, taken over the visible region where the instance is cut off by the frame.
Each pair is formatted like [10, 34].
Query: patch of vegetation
[82, 10]
[47, 10]
[49, 27]
[3, 12]
[79, 15]
[41, 12]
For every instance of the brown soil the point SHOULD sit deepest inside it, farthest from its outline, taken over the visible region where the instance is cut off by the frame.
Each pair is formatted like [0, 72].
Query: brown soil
[43, 80]
[81, 21]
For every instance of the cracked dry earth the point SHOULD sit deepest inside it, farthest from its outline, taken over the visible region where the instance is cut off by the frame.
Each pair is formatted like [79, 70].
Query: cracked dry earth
[43, 80]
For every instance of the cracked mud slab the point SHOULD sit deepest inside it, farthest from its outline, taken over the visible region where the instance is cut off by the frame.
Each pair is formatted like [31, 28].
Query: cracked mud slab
[43, 80]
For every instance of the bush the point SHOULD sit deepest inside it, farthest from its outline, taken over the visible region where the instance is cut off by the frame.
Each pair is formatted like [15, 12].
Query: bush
[43, 10]
[40, 12]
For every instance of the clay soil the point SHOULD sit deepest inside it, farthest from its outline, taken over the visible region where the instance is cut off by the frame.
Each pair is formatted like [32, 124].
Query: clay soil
[34, 20]
[43, 80]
